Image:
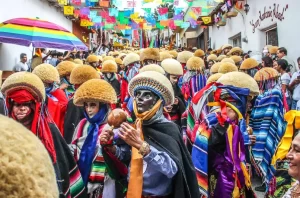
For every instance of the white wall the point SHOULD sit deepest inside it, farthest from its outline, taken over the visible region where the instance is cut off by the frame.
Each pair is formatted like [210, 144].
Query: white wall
[9, 54]
[288, 28]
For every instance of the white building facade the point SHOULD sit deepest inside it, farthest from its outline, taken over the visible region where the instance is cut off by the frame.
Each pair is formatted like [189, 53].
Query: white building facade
[10, 54]
[268, 22]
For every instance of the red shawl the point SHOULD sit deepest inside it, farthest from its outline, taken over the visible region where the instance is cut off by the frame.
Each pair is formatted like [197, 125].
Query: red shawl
[57, 109]
[40, 120]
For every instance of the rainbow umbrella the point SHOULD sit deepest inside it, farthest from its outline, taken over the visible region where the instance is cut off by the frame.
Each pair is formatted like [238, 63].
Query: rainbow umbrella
[39, 33]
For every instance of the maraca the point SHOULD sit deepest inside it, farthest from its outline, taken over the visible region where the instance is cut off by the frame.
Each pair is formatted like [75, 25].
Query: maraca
[116, 118]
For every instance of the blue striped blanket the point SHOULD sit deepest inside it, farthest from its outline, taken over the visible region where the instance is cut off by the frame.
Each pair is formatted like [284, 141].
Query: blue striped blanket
[268, 125]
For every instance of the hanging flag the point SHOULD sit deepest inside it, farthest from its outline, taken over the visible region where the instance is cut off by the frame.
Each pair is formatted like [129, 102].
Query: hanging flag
[159, 26]
[178, 17]
[120, 27]
[62, 2]
[111, 19]
[76, 2]
[178, 22]
[86, 23]
[162, 11]
[76, 13]
[178, 10]
[131, 4]
[124, 21]
[185, 25]
[172, 25]
[113, 12]
[89, 3]
[162, 17]
[229, 3]
[196, 10]
[189, 2]
[152, 42]
[104, 14]
[193, 22]
[147, 10]
[150, 19]
[85, 11]
[128, 12]
[147, 27]
[108, 26]
[134, 16]
[224, 8]
[164, 23]
[68, 10]
[206, 20]
[193, 15]
[97, 19]
[104, 3]
[93, 14]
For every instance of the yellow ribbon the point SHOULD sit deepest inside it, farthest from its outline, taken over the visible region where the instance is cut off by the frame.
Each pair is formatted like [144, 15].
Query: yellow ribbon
[293, 118]
[135, 186]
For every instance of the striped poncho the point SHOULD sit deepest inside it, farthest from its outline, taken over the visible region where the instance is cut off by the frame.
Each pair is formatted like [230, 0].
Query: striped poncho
[268, 126]
[98, 169]
[192, 83]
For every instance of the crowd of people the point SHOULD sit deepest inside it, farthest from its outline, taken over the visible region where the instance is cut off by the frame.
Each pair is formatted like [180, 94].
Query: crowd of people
[151, 123]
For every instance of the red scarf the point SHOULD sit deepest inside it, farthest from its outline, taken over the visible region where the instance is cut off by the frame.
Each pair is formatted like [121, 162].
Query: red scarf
[40, 120]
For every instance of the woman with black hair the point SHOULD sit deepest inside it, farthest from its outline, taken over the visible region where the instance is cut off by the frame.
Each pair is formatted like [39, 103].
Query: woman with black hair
[283, 68]
[267, 62]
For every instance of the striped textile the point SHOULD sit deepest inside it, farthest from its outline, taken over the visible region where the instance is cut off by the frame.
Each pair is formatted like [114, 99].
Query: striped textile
[195, 113]
[192, 86]
[76, 182]
[200, 157]
[197, 83]
[268, 126]
[98, 169]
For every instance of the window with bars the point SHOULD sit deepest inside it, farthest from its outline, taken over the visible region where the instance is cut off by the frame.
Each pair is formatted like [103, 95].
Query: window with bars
[272, 37]
[236, 40]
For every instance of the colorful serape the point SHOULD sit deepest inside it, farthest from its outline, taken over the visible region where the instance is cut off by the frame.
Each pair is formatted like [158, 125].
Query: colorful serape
[98, 167]
[192, 86]
[76, 182]
[268, 126]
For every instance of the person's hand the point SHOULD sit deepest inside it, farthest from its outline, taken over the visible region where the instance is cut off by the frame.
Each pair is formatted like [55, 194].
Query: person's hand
[252, 139]
[231, 114]
[63, 86]
[106, 136]
[131, 135]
